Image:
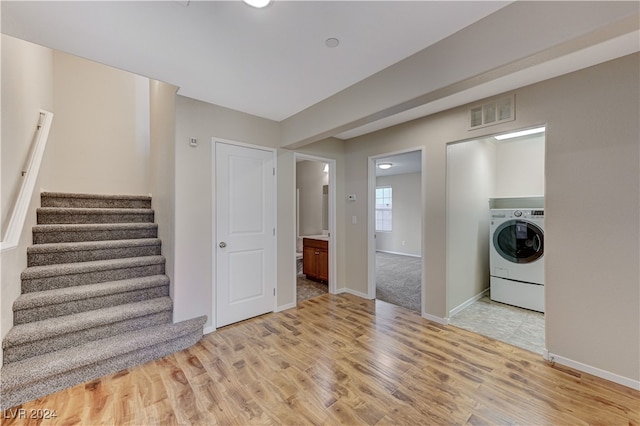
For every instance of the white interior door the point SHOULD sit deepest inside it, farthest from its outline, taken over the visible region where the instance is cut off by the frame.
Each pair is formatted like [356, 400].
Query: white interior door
[245, 232]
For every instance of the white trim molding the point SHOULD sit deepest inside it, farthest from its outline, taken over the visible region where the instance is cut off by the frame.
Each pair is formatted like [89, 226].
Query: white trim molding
[399, 253]
[468, 303]
[594, 371]
[443, 321]
[285, 307]
[354, 292]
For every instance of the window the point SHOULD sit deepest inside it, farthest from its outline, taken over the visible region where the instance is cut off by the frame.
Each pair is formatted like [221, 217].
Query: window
[383, 208]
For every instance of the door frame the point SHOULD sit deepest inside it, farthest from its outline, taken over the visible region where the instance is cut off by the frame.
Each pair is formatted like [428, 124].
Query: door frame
[371, 221]
[333, 275]
[214, 258]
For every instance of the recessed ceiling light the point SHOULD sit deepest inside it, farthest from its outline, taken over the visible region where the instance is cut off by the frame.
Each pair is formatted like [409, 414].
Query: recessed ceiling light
[332, 42]
[384, 166]
[257, 3]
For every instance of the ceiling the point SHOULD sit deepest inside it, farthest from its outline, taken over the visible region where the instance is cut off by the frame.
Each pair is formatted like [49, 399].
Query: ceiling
[407, 162]
[270, 62]
[273, 62]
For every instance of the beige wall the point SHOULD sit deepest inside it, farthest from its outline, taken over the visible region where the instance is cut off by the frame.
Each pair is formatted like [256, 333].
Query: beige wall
[592, 215]
[162, 100]
[407, 215]
[471, 173]
[194, 205]
[101, 129]
[310, 178]
[592, 171]
[27, 87]
[519, 167]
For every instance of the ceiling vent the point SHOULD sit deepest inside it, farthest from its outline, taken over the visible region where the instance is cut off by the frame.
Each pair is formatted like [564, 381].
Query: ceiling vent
[494, 112]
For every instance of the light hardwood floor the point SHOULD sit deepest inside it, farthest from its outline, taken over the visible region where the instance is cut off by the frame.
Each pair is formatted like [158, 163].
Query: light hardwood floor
[339, 359]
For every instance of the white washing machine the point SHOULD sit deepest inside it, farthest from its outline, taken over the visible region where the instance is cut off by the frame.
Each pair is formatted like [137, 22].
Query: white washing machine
[517, 257]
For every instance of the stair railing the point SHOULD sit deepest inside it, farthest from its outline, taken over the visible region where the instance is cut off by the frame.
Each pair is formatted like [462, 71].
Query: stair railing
[30, 174]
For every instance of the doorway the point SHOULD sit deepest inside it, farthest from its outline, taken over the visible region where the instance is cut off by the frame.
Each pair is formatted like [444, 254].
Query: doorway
[395, 229]
[315, 216]
[484, 174]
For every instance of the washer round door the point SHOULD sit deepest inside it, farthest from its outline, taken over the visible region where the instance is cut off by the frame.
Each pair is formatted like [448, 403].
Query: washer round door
[519, 241]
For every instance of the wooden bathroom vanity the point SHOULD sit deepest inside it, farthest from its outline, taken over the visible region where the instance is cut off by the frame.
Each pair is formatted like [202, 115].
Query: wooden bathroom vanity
[315, 258]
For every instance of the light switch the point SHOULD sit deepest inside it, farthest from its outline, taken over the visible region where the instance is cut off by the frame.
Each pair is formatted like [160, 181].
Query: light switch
[351, 197]
[354, 220]
[193, 142]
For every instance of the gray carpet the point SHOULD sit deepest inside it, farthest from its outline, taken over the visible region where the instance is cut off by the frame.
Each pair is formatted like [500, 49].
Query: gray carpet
[95, 297]
[399, 280]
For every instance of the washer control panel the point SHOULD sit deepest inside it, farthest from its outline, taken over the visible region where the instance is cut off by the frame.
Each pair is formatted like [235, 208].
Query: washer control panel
[517, 213]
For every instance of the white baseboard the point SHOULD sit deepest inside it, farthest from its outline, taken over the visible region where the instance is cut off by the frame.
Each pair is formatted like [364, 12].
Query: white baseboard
[443, 321]
[208, 330]
[401, 254]
[603, 374]
[467, 303]
[354, 292]
[285, 307]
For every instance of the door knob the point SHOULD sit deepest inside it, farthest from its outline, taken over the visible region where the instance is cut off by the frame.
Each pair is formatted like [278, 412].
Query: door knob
[222, 244]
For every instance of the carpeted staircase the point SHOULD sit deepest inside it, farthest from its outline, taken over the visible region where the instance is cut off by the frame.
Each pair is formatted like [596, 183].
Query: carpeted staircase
[95, 297]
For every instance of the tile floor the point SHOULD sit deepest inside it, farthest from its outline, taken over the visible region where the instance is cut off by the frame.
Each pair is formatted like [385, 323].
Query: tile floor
[308, 289]
[516, 326]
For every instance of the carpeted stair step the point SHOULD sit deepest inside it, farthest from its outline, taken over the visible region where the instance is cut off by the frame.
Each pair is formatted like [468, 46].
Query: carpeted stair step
[35, 338]
[35, 377]
[57, 199]
[55, 215]
[45, 234]
[50, 277]
[54, 253]
[40, 305]
[95, 297]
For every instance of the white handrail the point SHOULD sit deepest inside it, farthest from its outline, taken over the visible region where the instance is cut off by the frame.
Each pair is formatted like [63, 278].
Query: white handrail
[19, 214]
